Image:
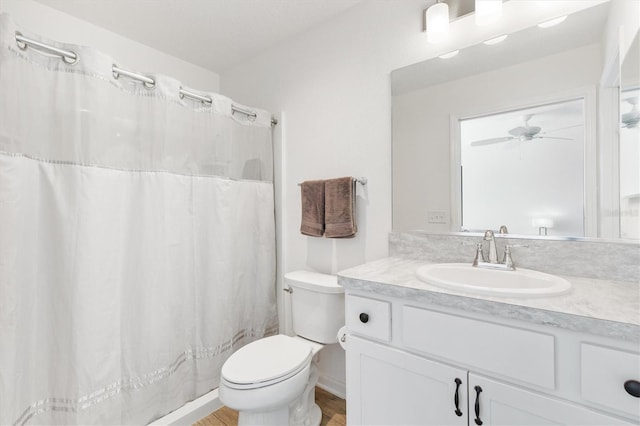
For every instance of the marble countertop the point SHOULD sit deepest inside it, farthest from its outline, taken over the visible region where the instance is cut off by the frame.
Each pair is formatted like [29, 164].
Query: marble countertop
[606, 308]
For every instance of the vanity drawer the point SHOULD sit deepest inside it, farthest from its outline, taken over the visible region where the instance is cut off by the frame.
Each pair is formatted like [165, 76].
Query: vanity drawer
[604, 372]
[511, 352]
[368, 317]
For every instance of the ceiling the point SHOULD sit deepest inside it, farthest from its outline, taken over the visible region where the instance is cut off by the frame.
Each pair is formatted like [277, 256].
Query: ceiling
[214, 34]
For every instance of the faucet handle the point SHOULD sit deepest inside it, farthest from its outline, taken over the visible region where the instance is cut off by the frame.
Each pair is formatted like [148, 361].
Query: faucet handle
[508, 260]
[479, 255]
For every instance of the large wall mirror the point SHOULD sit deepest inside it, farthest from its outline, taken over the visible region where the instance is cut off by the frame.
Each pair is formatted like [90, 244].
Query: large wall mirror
[509, 134]
[630, 143]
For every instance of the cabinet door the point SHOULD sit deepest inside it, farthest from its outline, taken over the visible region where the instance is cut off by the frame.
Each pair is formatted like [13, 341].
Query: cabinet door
[386, 386]
[500, 404]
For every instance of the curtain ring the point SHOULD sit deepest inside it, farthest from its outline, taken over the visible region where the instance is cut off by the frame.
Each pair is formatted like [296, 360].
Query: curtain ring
[70, 60]
[21, 44]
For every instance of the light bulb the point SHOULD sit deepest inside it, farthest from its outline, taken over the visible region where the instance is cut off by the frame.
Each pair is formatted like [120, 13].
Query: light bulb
[488, 11]
[437, 21]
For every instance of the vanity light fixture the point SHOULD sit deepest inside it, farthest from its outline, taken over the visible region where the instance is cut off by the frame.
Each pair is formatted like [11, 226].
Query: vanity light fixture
[449, 54]
[552, 22]
[495, 40]
[437, 22]
[487, 11]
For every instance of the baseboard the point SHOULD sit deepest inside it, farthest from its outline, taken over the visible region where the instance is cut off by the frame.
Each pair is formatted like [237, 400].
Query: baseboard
[195, 410]
[331, 385]
[192, 411]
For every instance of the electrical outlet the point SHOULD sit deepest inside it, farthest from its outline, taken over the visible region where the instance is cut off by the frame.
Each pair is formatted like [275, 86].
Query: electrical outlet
[437, 216]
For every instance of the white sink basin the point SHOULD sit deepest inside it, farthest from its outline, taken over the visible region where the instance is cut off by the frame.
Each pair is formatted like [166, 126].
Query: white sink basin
[493, 282]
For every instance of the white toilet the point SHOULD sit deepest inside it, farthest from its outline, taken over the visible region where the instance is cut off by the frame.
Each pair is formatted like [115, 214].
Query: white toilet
[272, 380]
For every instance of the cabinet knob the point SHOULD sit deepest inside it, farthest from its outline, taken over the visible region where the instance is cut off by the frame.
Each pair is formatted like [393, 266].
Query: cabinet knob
[632, 387]
[364, 318]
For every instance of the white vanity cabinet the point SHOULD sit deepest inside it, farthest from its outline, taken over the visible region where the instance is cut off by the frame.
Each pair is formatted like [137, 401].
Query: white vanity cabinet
[415, 364]
[502, 404]
[387, 386]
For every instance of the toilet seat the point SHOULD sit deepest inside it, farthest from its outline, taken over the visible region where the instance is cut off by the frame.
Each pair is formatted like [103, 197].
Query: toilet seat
[265, 362]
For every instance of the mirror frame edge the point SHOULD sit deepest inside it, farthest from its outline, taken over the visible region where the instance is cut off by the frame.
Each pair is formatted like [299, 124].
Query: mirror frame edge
[609, 154]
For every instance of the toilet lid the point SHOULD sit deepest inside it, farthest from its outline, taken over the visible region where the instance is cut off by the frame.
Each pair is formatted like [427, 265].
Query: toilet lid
[270, 359]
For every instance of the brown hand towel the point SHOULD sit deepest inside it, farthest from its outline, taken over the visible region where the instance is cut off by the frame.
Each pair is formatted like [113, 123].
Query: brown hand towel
[340, 207]
[312, 195]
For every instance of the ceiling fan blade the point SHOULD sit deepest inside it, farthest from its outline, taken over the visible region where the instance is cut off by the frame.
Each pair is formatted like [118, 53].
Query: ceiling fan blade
[562, 128]
[492, 141]
[553, 137]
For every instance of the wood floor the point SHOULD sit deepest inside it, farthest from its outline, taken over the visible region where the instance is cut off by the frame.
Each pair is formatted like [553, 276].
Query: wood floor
[334, 412]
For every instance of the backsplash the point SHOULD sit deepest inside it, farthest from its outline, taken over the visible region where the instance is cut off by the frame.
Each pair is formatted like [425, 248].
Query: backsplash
[617, 261]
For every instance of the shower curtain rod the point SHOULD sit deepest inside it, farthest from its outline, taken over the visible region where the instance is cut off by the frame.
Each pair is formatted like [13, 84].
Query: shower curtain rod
[70, 57]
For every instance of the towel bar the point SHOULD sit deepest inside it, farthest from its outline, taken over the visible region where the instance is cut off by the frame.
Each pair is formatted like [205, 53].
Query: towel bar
[361, 181]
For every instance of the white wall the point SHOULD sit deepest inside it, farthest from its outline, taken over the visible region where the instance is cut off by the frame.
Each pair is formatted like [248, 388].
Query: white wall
[422, 131]
[129, 54]
[332, 85]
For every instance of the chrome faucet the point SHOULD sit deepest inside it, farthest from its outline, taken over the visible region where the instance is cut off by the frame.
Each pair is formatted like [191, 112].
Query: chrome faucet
[480, 260]
[493, 252]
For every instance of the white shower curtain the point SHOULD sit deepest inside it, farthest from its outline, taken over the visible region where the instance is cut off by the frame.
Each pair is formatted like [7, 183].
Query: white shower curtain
[137, 245]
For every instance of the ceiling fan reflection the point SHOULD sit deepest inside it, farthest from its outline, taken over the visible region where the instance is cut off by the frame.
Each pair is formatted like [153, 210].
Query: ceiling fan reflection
[630, 120]
[526, 132]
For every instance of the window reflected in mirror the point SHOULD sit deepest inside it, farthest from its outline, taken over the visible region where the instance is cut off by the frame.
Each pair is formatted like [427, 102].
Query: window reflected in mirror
[532, 160]
[629, 164]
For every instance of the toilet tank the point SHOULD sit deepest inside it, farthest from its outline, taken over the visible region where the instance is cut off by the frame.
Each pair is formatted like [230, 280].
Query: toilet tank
[317, 305]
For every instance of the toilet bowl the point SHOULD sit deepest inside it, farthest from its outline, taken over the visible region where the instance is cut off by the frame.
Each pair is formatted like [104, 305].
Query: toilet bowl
[272, 381]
